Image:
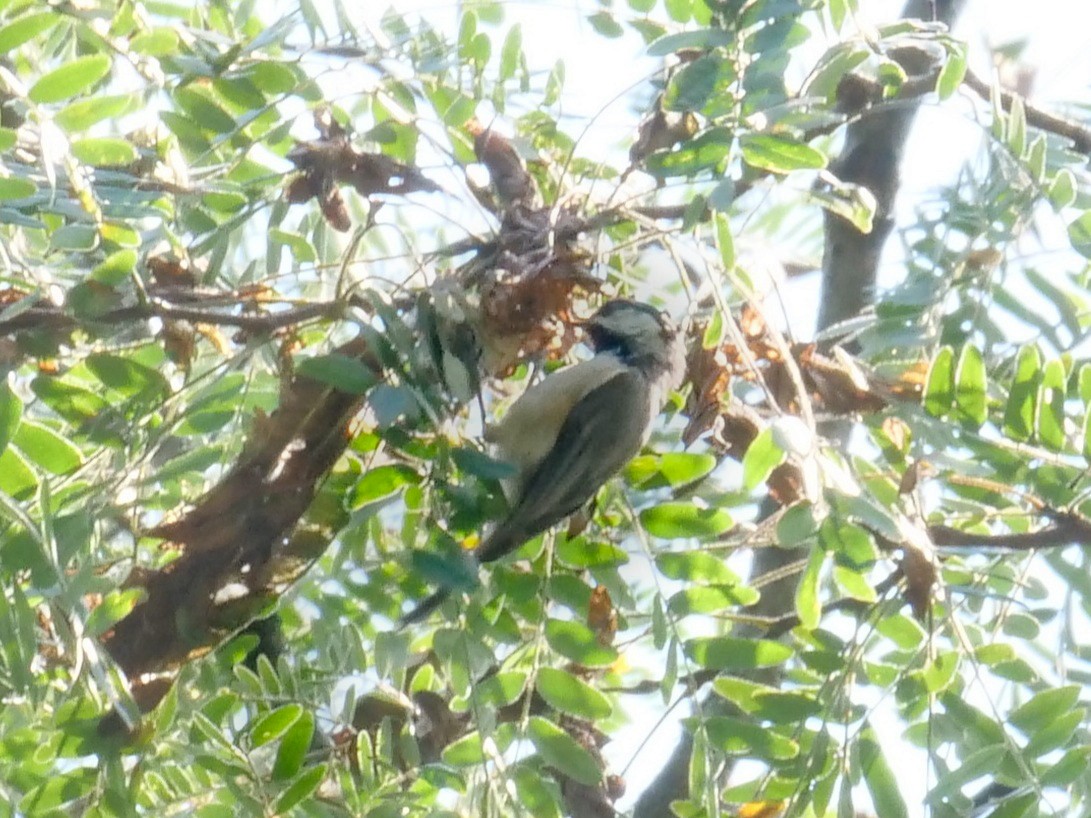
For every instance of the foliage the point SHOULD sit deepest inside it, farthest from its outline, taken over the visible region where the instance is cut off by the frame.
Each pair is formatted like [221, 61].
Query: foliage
[243, 371]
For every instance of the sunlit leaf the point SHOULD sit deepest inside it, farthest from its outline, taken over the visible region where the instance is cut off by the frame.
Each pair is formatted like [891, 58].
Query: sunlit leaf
[577, 642]
[939, 389]
[1020, 412]
[571, 695]
[70, 79]
[681, 520]
[970, 387]
[730, 653]
[560, 750]
[779, 154]
[11, 410]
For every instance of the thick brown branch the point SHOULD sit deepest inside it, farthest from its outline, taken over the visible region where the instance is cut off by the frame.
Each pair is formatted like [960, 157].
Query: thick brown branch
[1067, 128]
[1068, 529]
[56, 318]
[241, 544]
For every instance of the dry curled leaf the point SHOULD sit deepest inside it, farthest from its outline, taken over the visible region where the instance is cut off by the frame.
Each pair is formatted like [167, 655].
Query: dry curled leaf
[510, 180]
[172, 271]
[602, 616]
[332, 160]
[661, 130]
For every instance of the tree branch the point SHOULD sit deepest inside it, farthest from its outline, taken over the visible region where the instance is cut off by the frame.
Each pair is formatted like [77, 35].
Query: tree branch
[1067, 128]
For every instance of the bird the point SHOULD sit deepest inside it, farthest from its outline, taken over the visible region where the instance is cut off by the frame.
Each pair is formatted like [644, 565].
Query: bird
[574, 430]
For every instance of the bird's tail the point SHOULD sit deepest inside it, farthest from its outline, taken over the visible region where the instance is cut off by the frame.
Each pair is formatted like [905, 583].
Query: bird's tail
[421, 612]
[502, 541]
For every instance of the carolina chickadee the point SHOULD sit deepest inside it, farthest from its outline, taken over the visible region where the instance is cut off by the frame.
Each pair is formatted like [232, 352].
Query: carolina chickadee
[570, 433]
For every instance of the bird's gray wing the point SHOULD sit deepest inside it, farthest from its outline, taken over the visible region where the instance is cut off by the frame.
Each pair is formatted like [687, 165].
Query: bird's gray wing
[602, 433]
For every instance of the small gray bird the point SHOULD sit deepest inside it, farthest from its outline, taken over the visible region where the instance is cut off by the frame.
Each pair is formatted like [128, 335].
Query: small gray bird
[570, 433]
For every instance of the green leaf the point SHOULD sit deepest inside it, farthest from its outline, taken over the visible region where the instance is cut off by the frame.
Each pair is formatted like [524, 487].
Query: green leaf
[1051, 399]
[115, 268]
[678, 520]
[536, 792]
[951, 75]
[1017, 126]
[11, 410]
[577, 642]
[60, 788]
[26, 28]
[983, 762]
[1044, 707]
[275, 724]
[47, 449]
[560, 750]
[511, 52]
[73, 403]
[703, 152]
[1079, 233]
[854, 583]
[579, 552]
[127, 376]
[79, 238]
[731, 653]
[737, 737]
[725, 242]
[1062, 193]
[706, 599]
[939, 387]
[779, 154]
[380, 482]
[12, 187]
[604, 23]
[16, 477]
[797, 526]
[696, 566]
[672, 469]
[970, 387]
[695, 84]
[700, 39]
[679, 10]
[104, 152]
[498, 690]
[479, 464]
[880, 779]
[1020, 411]
[203, 111]
[159, 42]
[854, 203]
[808, 604]
[70, 79]
[566, 693]
[1087, 435]
[1072, 766]
[469, 751]
[82, 114]
[346, 374]
[306, 784]
[904, 632]
[762, 456]
[785, 708]
[114, 607]
[554, 83]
